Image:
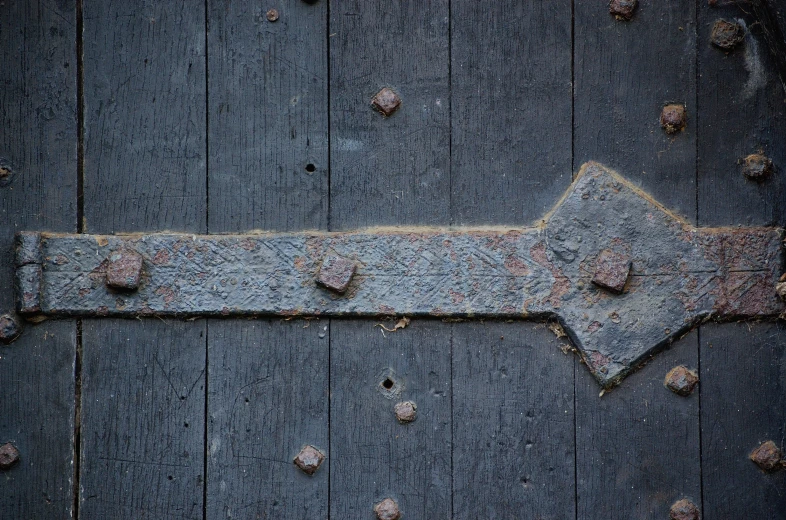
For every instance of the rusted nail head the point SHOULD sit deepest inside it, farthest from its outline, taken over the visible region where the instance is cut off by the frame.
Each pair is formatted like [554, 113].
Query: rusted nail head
[684, 510]
[681, 380]
[10, 328]
[623, 9]
[406, 411]
[673, 118]
[124, 270]
[756, 166]
[768, 456]
[387, 510]
[272, 15]
[9, 455]
[611, 271]
[309, 459]
[335, 273]
[386, 101]
[6, 173]
[726, 35]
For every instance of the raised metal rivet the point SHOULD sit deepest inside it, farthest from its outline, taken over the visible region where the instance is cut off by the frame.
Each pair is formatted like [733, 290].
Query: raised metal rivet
[387, 510]
[756, 166]
[272, 15]
[386, 101]
[684, 510]
[611, 271]
[335, 273]
[673, 118]
[309, 459]
[726, 35]
[768, 456]
[623, 9]
[406, 411]
[9, 455]
[681, 380]
[10, 328]
[124, 270]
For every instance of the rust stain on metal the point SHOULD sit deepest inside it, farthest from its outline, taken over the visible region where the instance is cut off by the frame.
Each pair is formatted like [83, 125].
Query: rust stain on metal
[673, 118]
[684, 510]
[768, 456]
[611, 271]
[406, 411]
[124, 270]
[9, 456]
[726, 35]
[681, 380]
[386, 101]
[756, 166]
[336, 273]
[387, 510]
[623, 9]
[309, 459]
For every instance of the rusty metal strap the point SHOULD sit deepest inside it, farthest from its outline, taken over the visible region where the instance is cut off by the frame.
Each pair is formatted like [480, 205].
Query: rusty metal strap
[623, 275]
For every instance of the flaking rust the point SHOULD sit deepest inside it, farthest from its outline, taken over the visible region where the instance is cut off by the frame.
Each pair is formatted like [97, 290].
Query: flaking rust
[622, 275]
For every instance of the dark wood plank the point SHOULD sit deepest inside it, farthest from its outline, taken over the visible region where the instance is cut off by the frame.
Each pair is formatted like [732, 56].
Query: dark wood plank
[512, 422]
[268, 397]
[268, 128]
[625, 72]
[268, 135]
[373, 456]
[638, 447]
[143, 406]
[145, 139]
[511, 109]
[389, 170]
[144, 95]
[742, 396]
[38, 140]
[741, 112]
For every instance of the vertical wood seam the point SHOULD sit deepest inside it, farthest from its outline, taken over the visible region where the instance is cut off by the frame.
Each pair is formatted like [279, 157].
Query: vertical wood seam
[80, 213]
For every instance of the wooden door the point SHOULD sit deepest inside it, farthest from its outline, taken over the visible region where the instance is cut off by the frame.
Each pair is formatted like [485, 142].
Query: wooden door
[226, 116]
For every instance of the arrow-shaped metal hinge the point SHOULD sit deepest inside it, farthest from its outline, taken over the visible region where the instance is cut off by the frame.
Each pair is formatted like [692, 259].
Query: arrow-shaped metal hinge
[623, 275]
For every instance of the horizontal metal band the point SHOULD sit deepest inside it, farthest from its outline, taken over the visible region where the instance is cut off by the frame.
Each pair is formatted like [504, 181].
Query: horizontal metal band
[623, 275]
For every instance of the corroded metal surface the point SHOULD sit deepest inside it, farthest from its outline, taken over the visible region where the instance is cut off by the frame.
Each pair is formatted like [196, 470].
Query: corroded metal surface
[678, 274]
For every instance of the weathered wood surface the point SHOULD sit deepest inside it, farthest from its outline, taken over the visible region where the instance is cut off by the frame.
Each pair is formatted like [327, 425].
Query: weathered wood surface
[510, 109]
[389, 170]
[638, 448]
[145, 135]
[268, 169]
[742, 110]
[38, 145]
[513, 422]
[267, 398]
[374, 456]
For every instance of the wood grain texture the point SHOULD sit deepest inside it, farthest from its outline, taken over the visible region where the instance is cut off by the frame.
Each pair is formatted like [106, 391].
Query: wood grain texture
[512, 423]
[511, 109]
[625, 72]
[268, 117]
[638, 446]
[373, 456]
[742, 110]
[743, 371]
[144, 121]
[143, 406]
[389, 170]
[38, 140]
[145, 140]
[268, 397]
